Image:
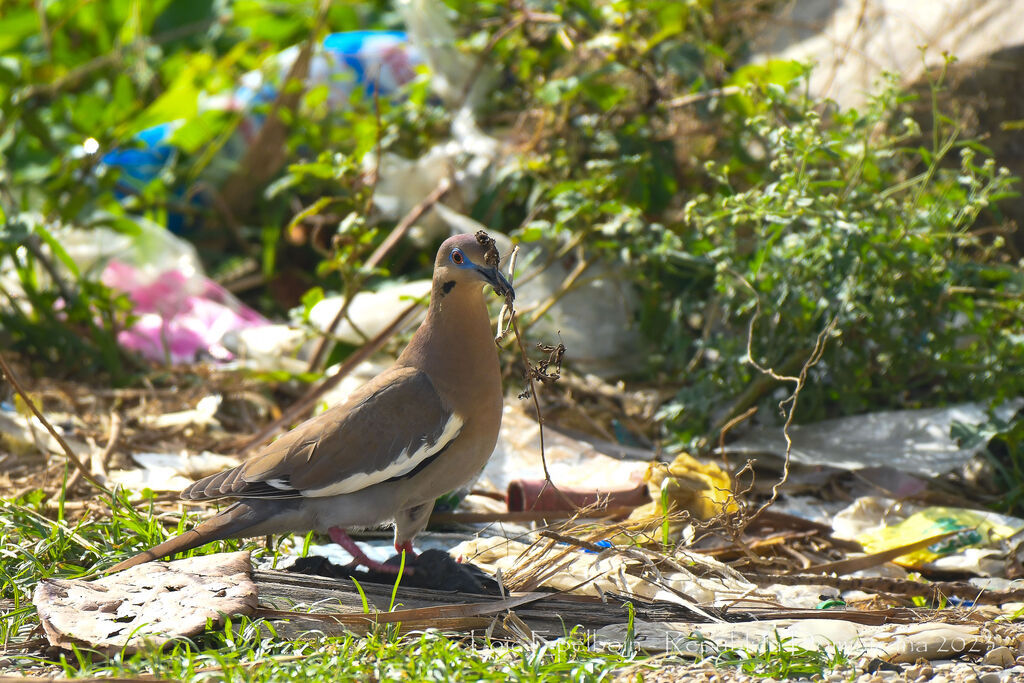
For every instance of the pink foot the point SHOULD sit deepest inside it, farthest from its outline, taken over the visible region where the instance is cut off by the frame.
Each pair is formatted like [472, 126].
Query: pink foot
[339, 536]
[410, 554]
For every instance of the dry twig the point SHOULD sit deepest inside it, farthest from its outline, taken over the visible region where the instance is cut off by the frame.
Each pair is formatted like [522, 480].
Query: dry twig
[734, 524]
[374, 260]
[12, 378]
[799, 380]
[98, 459]
[539, 373]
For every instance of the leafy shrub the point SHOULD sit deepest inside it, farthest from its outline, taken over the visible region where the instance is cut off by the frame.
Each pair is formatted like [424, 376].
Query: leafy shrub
[853, 222]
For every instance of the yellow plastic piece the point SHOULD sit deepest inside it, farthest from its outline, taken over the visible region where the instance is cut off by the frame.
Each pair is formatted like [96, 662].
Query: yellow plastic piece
[702, 489]
[978, 529]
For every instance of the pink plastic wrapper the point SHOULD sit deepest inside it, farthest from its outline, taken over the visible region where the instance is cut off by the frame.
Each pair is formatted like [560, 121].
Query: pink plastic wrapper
[181, 319]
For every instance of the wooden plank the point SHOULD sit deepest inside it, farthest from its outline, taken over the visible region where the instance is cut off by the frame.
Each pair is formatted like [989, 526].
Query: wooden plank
[549, 617]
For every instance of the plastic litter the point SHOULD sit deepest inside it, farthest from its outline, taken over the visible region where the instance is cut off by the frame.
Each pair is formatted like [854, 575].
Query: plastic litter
[375, 60]
[270, 347]
[24, 434]
[464, 159]
[686, 484]
[180, 319]
[882, 523]
[434, 38]
[147, 247]
[594, 319]
[370, 312]
[914, 441]
[382, 549]
[203, 415]
[880, 36]
[976, 529]
[288, 347]
[891, 642]
[180, 315]
[573, 464]
[170, 472]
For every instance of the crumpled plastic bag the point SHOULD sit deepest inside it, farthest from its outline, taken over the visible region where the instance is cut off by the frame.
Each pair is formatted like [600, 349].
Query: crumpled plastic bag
[686, 484]
[571, 462]
[880, 523]
[914, 441]
[23, 433]
[170, 472]
[977, 529]
[371, 311]
[181, 315]
[181, 319]
[930, 640]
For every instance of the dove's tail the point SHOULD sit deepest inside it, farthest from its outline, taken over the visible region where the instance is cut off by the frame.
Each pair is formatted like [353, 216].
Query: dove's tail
[237, 521]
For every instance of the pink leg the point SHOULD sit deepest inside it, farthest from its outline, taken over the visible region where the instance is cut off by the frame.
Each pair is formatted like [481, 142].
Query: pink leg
[410, 554]
[339, 536]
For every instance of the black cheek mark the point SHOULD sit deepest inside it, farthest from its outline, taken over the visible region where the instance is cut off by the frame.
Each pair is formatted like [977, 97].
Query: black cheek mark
[448, 286]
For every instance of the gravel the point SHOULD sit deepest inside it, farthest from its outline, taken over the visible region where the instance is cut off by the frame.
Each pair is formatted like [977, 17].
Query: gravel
[988, 669]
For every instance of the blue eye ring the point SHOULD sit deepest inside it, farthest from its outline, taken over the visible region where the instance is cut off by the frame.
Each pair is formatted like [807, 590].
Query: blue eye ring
[457, 257]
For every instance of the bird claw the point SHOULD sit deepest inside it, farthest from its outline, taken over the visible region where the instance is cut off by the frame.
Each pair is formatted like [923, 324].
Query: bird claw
[406, 547]
[359, 558]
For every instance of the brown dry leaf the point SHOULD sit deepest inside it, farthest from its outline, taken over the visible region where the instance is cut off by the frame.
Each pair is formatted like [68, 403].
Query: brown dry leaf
[153, 602]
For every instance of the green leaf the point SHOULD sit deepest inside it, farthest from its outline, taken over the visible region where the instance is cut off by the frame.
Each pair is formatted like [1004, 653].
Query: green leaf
[198, 132]
[16, 25]
[180, 100]
[58, 250]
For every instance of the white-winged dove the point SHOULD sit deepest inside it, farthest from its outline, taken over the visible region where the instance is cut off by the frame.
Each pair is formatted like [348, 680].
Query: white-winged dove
[420, 429]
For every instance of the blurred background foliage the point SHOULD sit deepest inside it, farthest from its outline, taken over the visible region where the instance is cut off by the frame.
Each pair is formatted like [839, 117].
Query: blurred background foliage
[638, 129]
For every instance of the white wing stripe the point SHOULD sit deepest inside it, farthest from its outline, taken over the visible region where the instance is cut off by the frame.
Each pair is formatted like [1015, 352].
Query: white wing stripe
[403, 464]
